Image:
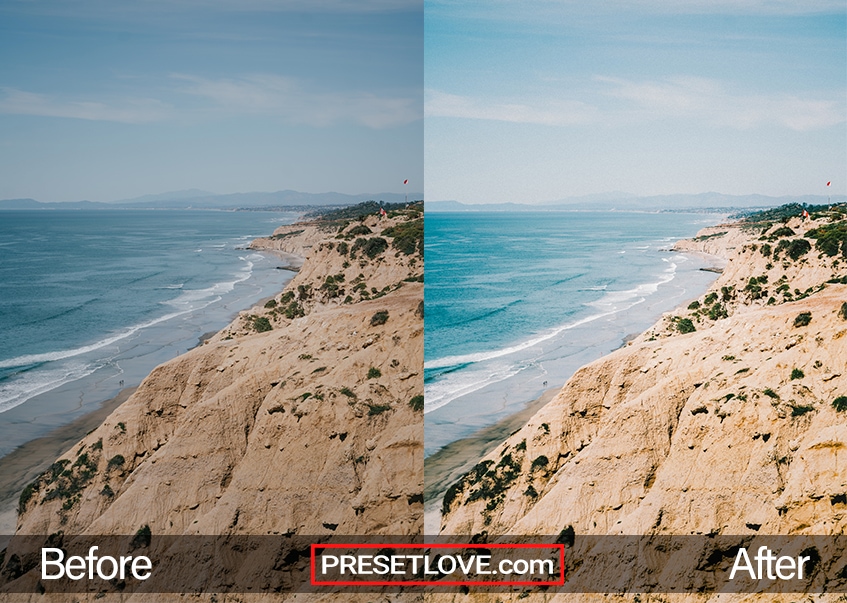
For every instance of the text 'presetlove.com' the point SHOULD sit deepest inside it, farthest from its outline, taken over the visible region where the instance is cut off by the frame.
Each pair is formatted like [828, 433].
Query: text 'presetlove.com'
[279, 564]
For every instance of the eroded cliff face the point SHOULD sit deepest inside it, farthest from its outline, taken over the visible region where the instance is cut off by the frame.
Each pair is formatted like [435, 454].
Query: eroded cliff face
[724, 424]
[309, 422]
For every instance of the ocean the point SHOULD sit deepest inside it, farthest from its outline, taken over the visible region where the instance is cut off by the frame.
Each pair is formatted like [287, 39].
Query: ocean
[93, 300]
[516, 302]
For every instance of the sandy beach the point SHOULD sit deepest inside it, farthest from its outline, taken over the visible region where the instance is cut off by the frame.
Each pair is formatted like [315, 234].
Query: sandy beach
[20, 467]
[452, 461]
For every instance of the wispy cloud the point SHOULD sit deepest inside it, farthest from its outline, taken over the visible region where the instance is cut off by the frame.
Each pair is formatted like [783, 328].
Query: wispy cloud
[619, 101]
[259, 94]
[710, 101]
[553, 113]
[292, 101]
[132, 111]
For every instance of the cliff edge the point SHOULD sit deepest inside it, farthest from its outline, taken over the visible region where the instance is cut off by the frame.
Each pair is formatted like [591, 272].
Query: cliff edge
[303, 416]
[729, 416]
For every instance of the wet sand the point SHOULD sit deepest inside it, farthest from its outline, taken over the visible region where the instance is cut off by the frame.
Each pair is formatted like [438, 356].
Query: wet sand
[20, 467]
[457, 458]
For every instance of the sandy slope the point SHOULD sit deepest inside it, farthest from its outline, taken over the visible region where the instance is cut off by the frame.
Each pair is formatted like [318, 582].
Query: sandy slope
[710, 431]
[306, 428]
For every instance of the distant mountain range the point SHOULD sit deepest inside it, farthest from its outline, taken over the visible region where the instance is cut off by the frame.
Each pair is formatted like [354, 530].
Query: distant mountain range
[198, 199]
[628, 202]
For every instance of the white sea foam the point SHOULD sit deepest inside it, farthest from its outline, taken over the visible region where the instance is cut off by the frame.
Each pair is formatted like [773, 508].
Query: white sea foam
[18, 390]
[30, 359]
[189, 299]
[449, 361]
[443, 391]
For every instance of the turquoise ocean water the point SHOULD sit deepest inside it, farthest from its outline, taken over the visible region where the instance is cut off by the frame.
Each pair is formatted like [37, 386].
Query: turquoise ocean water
[93, 298]
[514, 300]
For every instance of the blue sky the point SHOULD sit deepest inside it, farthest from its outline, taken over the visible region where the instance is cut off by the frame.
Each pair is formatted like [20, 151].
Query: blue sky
[105, 100]
[537, 100]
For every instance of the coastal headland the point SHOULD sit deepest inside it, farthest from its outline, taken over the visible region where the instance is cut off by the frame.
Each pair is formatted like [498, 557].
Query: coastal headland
[726, 417]
[303, 416]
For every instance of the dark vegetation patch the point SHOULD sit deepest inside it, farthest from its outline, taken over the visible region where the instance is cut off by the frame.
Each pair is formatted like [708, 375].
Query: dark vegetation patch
[683, 325]
[830, 238]
[803, 319]
[407, 236]
[372, 247]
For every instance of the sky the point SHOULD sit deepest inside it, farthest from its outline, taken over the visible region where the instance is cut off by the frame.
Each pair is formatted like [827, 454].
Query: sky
[104, 100]
[538, 100]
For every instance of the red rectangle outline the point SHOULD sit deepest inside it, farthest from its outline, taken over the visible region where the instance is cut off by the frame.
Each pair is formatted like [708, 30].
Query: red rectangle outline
[315, 582]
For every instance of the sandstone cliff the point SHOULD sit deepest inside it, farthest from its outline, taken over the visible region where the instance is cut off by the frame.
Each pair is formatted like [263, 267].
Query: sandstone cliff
[729, 416]
[304, 416]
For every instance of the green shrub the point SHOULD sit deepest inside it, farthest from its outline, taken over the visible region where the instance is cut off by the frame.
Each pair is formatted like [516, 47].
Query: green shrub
[840, 403]
[30, 490]
[710, 298]
[142, 537]
[343, 248]
[540, 462]
[271, 303]
[107, 491]
[294, 310]
[803, 319]
[417, 403]
[374, 373]
[359, 229]
[450, 495]
[684, 325]
[531, 492]
[830, 237]
[262, 324]
[694, 305]
[795, 248]
[797, 374]
[842, 313]
[770, 393]
[408, 236]
[116, 461]
[782, 231]
[370, 247]
[380, 318]
[377, 409]
[798, 410]
[717, 312]
[348, 392]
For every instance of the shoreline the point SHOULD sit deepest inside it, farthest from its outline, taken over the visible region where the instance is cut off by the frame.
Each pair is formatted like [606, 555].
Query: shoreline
[445, 466]
[22, 465]
[621, 449]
